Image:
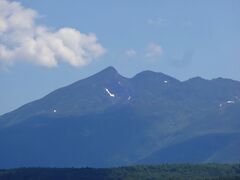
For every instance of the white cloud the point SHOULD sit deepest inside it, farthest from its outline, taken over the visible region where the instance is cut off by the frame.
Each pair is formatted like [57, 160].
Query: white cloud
[154, 50]
[161, 22]
[22, 39]
[131, 53]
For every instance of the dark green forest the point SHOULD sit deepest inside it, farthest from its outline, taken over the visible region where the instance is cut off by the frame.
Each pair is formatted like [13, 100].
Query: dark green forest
[165, 171]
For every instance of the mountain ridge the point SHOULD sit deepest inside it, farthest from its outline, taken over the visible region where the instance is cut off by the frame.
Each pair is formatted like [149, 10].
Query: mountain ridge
[112, 70]
[109, 120]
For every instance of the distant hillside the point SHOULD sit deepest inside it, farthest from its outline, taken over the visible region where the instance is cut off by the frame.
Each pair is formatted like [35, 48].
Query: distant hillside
[109, 120]
[183, 171]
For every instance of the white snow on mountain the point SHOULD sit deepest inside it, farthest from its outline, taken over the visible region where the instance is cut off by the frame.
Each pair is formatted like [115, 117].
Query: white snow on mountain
[109, 93]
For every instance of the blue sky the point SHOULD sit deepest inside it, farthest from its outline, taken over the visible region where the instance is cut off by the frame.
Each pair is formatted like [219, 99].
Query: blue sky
[183, 39]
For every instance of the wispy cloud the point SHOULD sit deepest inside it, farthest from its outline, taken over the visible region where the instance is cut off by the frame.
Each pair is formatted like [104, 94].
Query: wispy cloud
[183, 59]
[154, 50]
[21, 38]
[159, 21]
[131, 53]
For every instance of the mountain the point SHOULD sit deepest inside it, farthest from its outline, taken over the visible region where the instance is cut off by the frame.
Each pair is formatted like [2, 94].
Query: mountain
[109, 120]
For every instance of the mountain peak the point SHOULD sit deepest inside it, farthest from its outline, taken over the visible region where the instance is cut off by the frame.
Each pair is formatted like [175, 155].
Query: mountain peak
[151, 76]
[108, 73]
[109, 70]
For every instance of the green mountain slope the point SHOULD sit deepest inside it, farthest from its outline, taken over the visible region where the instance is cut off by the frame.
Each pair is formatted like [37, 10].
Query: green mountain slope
[109, 120]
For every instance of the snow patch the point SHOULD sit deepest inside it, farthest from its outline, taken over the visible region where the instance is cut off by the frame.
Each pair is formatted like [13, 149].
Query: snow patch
[109, 93]
[230, 102]
[165, 81]
[54, 110]
[129, 98]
